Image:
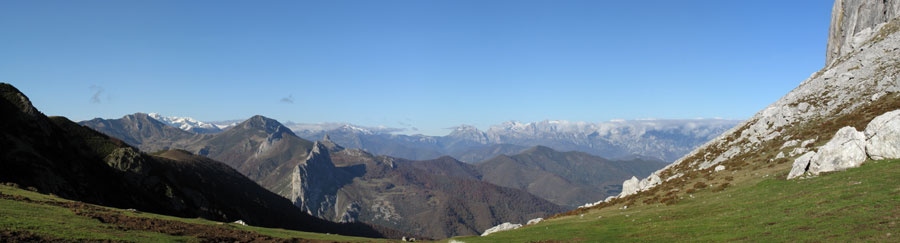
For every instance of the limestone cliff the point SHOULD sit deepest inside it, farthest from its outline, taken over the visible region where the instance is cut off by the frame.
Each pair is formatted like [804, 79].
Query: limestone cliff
[315, 183]
[852, 17]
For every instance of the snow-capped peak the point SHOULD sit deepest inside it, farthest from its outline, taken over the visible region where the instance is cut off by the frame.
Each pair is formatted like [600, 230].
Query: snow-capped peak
[189, 124]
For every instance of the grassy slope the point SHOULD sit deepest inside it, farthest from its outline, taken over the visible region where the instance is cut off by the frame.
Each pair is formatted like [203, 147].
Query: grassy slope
[56, 222]
[857, 204]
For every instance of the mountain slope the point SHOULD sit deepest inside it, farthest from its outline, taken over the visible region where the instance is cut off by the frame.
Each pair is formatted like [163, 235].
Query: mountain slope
[570, 178]
[438, 198]
[143, 131]
[55, 155]
[847, 94]
[35, 217]
[829, 208]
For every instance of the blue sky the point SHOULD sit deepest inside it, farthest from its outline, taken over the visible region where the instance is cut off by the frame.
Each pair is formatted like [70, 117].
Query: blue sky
[424, 64]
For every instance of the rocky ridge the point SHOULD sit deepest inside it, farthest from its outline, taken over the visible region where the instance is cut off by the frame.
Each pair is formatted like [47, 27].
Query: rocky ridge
[853, 20]
[852, 90]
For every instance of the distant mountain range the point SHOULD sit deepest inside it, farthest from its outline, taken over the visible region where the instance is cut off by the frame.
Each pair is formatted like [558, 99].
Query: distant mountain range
[55, 155]
[191, 124]
[666, 140]
[342, 185]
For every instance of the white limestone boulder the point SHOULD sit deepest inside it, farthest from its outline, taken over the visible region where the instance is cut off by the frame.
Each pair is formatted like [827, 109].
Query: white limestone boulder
[847, 149]
[800, 165]
[720, 168]
[501, 227]
[631, 186]
[883, 136]
[534, 221]
[649, 182]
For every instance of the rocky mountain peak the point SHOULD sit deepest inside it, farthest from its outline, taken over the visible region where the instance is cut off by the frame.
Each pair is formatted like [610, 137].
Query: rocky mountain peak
[270, 126]
[853, 20]
[470, 133]
[315, 181]
[330, 145]
[14, 96]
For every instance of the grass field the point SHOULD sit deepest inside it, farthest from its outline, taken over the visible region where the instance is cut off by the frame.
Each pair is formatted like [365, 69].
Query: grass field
[860, 204]
[29, 216]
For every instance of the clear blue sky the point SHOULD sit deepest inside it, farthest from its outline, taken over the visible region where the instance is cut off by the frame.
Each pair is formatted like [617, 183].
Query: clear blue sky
[424, 64]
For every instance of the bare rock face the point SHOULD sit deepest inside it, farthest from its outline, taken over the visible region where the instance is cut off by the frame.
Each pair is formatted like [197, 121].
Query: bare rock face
[631, 186]
[800, 165]
[852, 20]
[847, 149]
[883, 136]
[501, 227]
[315, 182]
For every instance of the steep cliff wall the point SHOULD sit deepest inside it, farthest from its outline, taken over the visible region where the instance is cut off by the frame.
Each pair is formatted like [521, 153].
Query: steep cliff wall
[852, 17]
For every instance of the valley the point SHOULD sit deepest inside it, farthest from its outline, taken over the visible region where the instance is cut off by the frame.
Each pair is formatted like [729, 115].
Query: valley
[819, 164]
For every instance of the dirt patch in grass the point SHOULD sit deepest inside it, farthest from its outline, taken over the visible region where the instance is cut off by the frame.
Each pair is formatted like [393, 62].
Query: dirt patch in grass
[206, 233]
[24, 236]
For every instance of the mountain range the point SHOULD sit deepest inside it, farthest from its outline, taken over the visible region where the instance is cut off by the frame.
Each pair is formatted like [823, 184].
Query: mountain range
[437, 198]
[666, 140]
[816, 165]
[57, 156]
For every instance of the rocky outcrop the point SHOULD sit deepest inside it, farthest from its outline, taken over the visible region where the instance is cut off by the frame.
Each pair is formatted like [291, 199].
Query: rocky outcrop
[720, 168]
[315, 182]
[501, 227]
[865, 76]
[631, 186]
[882, 136]
[800, 165]
[854, 20]
[847, 149]
[850, 148]
[126, 159]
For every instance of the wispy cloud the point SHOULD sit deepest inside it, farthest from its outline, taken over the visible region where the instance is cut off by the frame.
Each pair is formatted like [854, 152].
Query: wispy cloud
[98, 91]
[287, 100]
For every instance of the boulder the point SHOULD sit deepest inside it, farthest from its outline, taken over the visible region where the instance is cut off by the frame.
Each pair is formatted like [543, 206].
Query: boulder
[631, 186]
[534, 221]
[501, 227]
[883, 136]
[847, 149]
[649, 182]
[800, 165]
[720, 168]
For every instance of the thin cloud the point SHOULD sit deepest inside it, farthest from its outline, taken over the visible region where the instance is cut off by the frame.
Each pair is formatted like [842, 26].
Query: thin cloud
[98, 91]
[287, 100]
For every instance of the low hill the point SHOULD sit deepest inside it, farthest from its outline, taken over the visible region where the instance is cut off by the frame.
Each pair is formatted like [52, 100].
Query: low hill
[565, 178]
